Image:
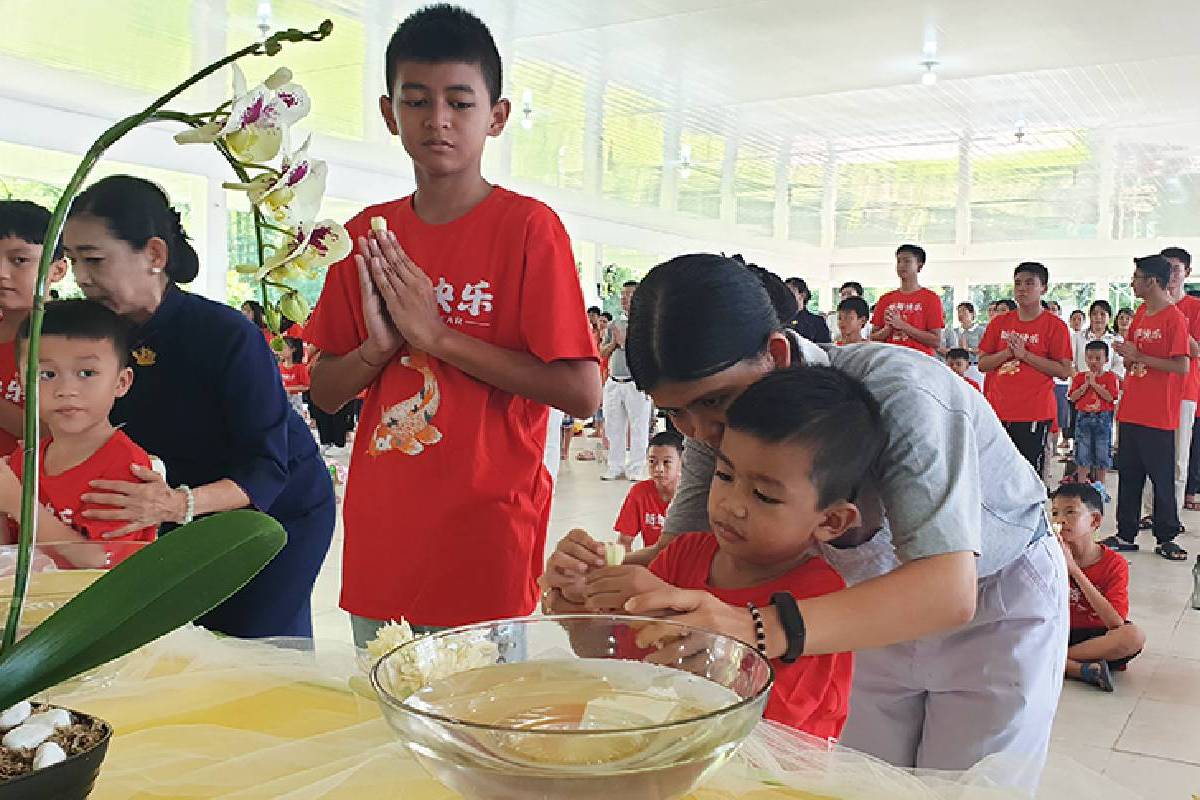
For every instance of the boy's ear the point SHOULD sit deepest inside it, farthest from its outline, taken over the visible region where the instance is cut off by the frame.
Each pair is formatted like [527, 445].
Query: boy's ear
[124, 381]
[388, 112]
[1097, 520]
[500, 113]
[838, 518]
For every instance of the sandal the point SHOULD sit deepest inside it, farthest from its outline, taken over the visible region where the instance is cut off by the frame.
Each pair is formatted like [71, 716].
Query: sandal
[1145, 523]
[1171, 551]
[1097, 674]
[1119, 544]
[1192, 505]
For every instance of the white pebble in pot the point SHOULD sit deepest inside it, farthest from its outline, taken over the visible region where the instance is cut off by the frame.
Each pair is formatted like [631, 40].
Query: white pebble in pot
[12, 717]
[27, 736]
[55, 718]
[47, 755]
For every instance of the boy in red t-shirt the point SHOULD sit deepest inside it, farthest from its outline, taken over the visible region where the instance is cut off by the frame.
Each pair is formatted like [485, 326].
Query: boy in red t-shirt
[1022, 352]
[645, 507]
[958, 359]
[1156, 353]
[1094, 394]
[1101, 638]
[22, 228]
[797, 446]
[83, 363]
[909, 316]
[462, 316]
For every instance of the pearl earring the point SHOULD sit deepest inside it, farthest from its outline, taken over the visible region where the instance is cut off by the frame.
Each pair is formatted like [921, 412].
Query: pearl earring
[156, 270]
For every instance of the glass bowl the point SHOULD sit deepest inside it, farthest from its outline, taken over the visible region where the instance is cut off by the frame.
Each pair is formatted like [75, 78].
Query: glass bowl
[570, 706]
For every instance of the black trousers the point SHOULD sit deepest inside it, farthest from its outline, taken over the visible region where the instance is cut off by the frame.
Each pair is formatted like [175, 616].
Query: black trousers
[1030, 439]
[332, 428]
[1146, 453]
[1193, 476]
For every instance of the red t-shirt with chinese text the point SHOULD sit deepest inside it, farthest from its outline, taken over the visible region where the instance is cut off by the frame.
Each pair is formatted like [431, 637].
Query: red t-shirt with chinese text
[644, 512]
[62, 494]
[812, 694]
[922, 309]
[295, 376]
[1018, 391]
[1110, 575]
[1190, 308]
[10, 390]
[1152, 396]
[1092, 402]
[448, 499]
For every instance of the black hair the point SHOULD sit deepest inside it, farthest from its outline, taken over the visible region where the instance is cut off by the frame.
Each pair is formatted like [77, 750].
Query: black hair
[854, 286]
[913, 250]
[628, 284]
[1123, 310]
[1086, 493]
[1097, 344]
[440, 34]
[822, 409]
[594, 310]
[1100, 304]
[1078, 311]
[1008, 303]
[295, 347]
[668, 439]
[135, 211]
[1035, 269]
[782, 299]
[958, 352]
[606, 315]
[258, 312]
[696, 315]
[27, 221]
[1155, 266]
[1178, 253]
[968, 306]
[83, 319]
[855, 304]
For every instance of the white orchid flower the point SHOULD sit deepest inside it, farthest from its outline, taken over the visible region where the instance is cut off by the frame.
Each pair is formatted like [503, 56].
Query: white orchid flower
[294, 194]
[312, 248]
[254, 127]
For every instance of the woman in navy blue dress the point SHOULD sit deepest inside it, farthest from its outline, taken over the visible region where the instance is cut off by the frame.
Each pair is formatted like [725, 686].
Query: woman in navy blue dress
[206, 399]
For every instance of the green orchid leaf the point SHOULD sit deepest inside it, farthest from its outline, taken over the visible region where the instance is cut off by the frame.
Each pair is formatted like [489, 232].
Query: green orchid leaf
[159, 588]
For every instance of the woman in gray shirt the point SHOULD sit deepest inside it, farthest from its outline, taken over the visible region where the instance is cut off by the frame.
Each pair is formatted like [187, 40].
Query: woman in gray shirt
[957, 608]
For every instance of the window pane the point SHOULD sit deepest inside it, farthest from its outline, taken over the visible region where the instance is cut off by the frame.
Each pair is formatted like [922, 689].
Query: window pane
[547, 144]
[632, 146]
[699, 181]
[1158, 191]
[890, 194]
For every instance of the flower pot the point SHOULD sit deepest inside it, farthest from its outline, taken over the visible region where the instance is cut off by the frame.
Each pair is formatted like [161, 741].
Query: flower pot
[72, 779]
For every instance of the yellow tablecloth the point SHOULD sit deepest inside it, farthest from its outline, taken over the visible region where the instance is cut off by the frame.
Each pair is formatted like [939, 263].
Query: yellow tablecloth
[201, 717]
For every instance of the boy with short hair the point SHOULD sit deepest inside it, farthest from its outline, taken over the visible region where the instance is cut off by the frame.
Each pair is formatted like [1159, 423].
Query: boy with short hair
[910, 316]
[645, 507]
[22, 233]
[1101, 638]
[797, 448]
[853, 314]
[958, 359]
[83, 363]
[1156, 353]
[1022, 353]
[1094, 393]
[464, 320]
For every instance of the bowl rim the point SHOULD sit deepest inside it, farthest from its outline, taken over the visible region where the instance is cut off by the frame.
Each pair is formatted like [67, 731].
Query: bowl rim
[388, 698]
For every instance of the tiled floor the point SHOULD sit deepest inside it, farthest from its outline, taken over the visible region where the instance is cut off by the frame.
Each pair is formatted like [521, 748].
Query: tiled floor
[1145, 736]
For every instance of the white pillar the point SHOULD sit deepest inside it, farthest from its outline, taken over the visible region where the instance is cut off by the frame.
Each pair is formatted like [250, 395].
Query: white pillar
[782, 213]
[962, 210]
[1106, 191]
[593, 134]
[668, 194]
[728, 189]
[829, 199]
[214, 266]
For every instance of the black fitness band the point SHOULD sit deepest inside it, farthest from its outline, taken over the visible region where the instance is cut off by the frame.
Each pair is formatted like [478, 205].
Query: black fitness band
[793, 625]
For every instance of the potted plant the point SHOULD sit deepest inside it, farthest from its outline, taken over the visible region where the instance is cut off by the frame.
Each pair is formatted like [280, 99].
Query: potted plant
[176, 579]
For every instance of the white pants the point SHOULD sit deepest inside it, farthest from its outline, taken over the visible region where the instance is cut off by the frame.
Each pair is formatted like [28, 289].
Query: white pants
[626, 414]
[989, 688]
[1183, 448]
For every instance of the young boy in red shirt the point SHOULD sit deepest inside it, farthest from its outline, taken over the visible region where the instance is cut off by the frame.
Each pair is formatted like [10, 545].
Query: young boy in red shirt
[909, 316]
[1022, 352]
[83, 363]
[1101, 638]
[645, 507]
[22, 228]
[1094, 394]
[462, 315]
[797, 446]
[958, 359]
[1156, 353]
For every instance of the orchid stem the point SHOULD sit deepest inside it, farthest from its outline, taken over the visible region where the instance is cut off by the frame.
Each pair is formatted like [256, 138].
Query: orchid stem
[32, 439]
